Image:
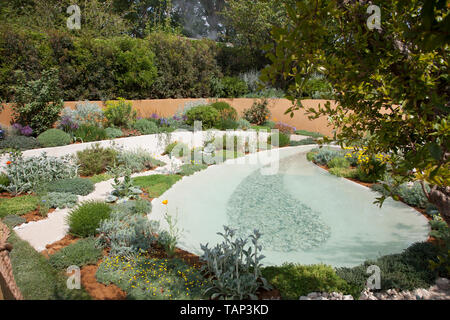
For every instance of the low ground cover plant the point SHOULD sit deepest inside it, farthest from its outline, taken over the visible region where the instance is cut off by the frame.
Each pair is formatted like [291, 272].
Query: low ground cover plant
[80, 253]
[19, 143]
[155, 185]
[13, 220]
[90, 133]
[296, 280]
[60, 200]
[113, 133]
[18, 205]
[189, 169]
[78, 186]
[137, 160]
[85, 219]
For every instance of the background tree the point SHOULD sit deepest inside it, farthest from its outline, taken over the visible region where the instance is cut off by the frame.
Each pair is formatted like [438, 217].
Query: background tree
[391, 83]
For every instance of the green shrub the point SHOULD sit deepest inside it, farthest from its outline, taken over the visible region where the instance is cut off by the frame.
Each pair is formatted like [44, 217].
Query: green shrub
[85, 219]
[155, 185]
[132, 207]
[324, 155]
[60, 200]
[243, 124]
[127, 234]
[120, 113]
[189, 169]
[344, 172]
[303, 142]
[231, 143]
[408, 270]
[80, 253]
[78, 186]
[89, 133]
[310, 155]
[137, 160]
[13, 220]
[54, 138]
[371, 171]
[258, 113]
[95, 159]
[181, 149]
[226, 111]
[338, 162]
[113, 133]
[28, 174]
[86, 112]
[37, 102]
[233, 87]
[209, 116]
[279, 139]
[295, 280]
[19, 143]
[18, 205]
[413, 195]
[4, 181]
[145, 126]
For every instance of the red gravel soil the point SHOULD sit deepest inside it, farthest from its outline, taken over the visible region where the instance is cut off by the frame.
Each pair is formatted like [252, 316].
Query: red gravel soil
[58, 245]
[35, 215]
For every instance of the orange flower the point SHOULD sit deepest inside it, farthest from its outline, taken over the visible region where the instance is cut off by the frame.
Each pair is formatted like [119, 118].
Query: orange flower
[8, 162]
[165, 202]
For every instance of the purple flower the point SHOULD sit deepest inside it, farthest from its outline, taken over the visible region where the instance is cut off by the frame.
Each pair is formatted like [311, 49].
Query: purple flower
[154, 116]
[17, 126]
[26, 131]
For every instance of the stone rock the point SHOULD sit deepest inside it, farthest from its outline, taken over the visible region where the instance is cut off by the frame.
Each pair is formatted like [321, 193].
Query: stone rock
[347, 297]
[443, 283]
[111, 199]
[313, 295]
[304, 298]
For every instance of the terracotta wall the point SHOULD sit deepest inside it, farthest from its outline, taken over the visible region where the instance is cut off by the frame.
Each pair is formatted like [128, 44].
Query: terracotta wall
[168, 107]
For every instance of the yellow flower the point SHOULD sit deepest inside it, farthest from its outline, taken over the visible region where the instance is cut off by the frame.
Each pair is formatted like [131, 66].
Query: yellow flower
[165, 202]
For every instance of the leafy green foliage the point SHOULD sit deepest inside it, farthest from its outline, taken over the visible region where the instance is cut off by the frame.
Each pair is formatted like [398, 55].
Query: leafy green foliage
[78, 186]
[243, 124]
[344, 172]
[13, 220]
[19, 143]
[96, 178]
[60, 200]
[127, 234]
[80, 253]
[155, 185]
[190, 168]
[120, 113]
[235, 270]
[4, 181]
[279, 139]
[85, 219]
[54, 138]
[96, 159]
[113, 133]
[259, 113]
[233, 87]
[29, 174]
[137, 160]
[413, 195]
[338, 162]
[295, 280]
[208, 115]
[176, 149]
[37, 102]
[408, 270]
[325, 155]
[18, 205]
[145, 126]
[36, 278]
[89, 133]
[390, 84]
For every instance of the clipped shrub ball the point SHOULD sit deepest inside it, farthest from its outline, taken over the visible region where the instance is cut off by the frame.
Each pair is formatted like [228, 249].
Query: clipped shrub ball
[95, 160]
[145, 126]
[209, 116]
[60, 200]
[54, 138]
[84, 220]
[19, 143]
[78, 186]
[283, 140]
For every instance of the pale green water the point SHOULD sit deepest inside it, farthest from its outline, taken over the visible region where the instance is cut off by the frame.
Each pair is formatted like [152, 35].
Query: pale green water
[305, 214]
